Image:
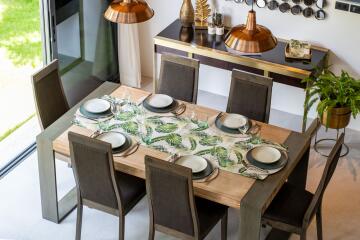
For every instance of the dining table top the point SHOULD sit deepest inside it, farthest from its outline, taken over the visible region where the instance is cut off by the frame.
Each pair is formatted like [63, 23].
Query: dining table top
[227, 188]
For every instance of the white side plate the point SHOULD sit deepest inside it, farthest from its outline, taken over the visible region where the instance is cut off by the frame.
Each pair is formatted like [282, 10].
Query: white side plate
[97, 105]
[160, 101]
[196, 163]
[266, 154]
[115, 139]
[234, 121]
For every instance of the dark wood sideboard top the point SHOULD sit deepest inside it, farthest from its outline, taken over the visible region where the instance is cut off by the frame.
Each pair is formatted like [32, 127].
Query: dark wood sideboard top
[200, 38]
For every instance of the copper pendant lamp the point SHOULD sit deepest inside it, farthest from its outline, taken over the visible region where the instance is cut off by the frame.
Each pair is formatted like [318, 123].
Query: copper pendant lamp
[129, 11]
[250, 38]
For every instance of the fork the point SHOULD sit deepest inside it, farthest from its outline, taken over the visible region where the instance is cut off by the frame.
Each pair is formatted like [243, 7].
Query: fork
[130, 151]
[143, 100]
[179, 110]
[248, 166]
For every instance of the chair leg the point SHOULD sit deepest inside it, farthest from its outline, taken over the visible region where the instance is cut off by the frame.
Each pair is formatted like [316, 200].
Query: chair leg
[319, 223]
[151, 229]
[224, 224]
[303, 235]
[121, 227]
[79, 220]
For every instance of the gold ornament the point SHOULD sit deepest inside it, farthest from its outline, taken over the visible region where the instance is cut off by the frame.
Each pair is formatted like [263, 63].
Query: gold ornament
[202, 12]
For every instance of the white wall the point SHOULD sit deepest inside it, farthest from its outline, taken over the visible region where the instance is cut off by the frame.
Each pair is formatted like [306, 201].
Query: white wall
[340, 33]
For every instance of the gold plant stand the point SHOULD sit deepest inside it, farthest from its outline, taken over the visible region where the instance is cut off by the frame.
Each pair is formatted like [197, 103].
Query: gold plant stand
[346, 147]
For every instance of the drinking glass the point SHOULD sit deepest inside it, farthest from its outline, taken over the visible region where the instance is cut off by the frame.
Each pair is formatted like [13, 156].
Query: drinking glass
[203, 119]
[116, 109]
[126, 96]
[140, 119]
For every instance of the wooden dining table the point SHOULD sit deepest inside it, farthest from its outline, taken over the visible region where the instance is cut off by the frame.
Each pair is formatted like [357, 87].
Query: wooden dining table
[251, 196]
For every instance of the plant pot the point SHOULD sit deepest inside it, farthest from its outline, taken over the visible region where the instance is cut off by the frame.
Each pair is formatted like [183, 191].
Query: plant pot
[339, 117]
[187, 13]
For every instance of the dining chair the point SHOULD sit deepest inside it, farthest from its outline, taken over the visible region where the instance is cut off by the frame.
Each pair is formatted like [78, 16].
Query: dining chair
[49, 94]
[98, 185]
[173, 208]
[179, 77]
[250, 95]
[293, 208]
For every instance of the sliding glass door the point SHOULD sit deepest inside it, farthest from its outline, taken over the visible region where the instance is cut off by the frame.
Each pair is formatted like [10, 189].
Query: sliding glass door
[76, 33]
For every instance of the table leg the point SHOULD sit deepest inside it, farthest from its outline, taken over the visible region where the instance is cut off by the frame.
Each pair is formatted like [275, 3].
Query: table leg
[259, 197]
[299, 175]
[52, 209]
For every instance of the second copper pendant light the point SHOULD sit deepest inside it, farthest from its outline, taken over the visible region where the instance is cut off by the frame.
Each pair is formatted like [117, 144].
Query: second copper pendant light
[250, 38]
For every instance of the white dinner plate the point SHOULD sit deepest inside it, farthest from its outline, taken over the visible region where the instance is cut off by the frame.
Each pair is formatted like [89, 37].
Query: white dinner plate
[96, 105]
[265, 154]
[114, 138]
[196, 163]
[160, 101]
[234, 121]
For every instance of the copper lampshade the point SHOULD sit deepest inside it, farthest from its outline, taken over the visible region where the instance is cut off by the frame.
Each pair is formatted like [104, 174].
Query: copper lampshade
[129, 11]
[250, 38]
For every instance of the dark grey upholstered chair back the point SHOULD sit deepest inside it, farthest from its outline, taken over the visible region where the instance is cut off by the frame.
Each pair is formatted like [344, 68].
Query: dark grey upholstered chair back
[49, 94]
[92, 164]
[329, 170]
[250, 95]
[179, 77]
[170, 193]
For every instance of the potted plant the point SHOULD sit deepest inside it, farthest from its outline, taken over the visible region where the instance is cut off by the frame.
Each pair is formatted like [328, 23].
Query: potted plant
[338, 98]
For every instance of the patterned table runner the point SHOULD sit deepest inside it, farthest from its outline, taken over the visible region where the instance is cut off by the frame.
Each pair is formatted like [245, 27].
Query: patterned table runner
[181, 135]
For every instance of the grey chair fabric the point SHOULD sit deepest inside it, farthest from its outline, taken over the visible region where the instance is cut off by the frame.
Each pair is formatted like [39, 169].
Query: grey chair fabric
[179, 77]
[49, 94]
[173, 208]
[98, 185]
[293, 208]
[250, 95]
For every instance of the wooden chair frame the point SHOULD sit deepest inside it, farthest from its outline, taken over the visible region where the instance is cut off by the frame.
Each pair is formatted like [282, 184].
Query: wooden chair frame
[190, 62]
[185, 172]
[238, 75]
[38, 76]
[107, 149]
[316, 203]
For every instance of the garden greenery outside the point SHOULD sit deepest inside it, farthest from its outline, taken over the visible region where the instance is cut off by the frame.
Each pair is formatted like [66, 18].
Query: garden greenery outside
[20, 42]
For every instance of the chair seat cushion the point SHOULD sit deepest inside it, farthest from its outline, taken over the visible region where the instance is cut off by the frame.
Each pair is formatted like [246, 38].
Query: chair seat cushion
[131, 188]
[209, 214]
[289, 205]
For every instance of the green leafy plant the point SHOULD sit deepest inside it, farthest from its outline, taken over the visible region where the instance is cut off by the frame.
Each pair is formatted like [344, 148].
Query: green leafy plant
[332, 92]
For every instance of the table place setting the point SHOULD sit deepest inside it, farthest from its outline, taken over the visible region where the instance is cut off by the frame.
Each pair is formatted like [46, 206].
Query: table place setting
[162, 104]
[203, 170]
[94, 110]
[226, 141]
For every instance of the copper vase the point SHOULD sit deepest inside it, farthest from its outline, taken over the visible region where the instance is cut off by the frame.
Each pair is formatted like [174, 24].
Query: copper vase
[187, 13]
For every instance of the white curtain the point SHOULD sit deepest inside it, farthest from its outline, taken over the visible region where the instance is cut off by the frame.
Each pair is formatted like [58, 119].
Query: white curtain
[129, 55]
